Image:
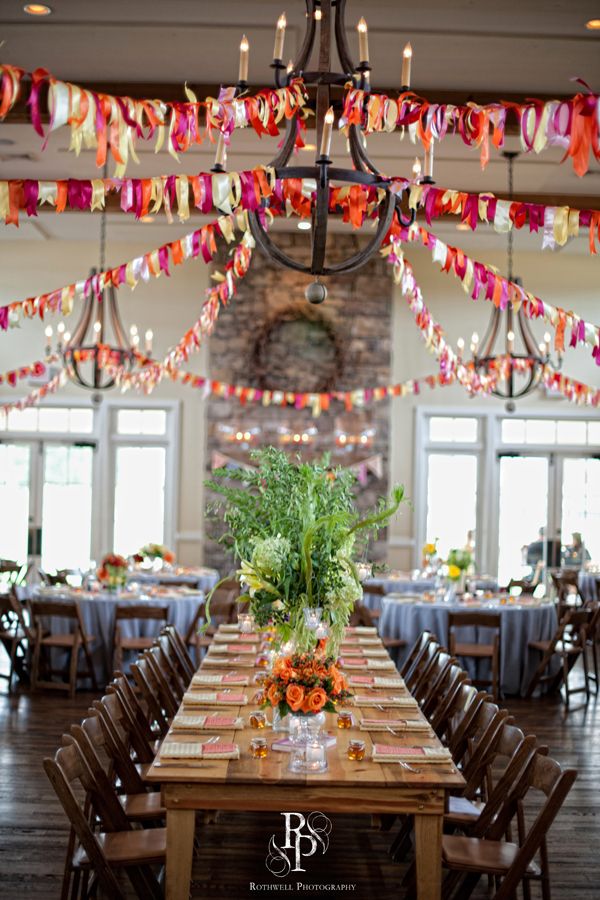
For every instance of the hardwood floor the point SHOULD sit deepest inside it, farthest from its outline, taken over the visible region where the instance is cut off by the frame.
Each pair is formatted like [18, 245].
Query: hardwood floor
[33, 830]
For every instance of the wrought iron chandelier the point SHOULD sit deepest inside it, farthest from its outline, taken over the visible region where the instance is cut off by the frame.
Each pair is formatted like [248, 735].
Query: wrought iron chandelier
[328, 17]
[519, 364]
[98, 349]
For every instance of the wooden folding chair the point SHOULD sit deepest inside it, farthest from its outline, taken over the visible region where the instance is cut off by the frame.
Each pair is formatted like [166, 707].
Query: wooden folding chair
[510, 863]
[168, 691]
[416, 653]
[374, 590]
[117, 714]
[130, 776]
[478, 650]
[135, 612]
[135, 709]
[222, 611]
[117, 847]
[75, 640]
[567, 644]
[172, 664]
[16, 636]
[149, 688]
[592, 640]
[186, 664]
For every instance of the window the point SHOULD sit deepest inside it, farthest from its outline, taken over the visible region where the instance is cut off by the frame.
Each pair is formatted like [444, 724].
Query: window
[574, 432]
[51, 420]
[141, 421]
[454, 430]
[451, 499]
[15, 465]
[67, 507]
[581, 503]
[523, 512]
[139, 516]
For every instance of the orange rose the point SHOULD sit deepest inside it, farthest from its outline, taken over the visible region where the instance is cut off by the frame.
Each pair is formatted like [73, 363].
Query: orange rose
[315, 701]
[294, 695]
[169, 557]
[273, 695]
[285, 675]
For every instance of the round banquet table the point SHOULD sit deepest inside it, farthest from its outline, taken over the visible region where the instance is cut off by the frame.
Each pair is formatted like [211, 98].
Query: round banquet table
[401, 583]
[98, 614]
[201, 578]
[589, 584]
[520, 624]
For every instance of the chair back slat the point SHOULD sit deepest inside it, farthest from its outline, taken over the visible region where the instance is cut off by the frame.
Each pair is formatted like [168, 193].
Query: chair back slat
[141, 611]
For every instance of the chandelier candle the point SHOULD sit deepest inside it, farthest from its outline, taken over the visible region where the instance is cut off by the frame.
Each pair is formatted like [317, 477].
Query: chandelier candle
[244, 53]
[406, 64]
[363, 41]
[327, 132]
[279, 37]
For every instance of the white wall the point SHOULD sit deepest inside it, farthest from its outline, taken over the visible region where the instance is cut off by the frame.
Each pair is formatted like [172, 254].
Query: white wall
[170, 305]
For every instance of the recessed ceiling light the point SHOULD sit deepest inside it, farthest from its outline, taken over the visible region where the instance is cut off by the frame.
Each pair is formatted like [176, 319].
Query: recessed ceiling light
[309, 147]
[37, 9]
[304, 225]
[147, 219]
[593, 25]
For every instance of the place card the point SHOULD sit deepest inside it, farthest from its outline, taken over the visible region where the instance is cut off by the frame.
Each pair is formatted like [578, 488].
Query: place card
[230, 678]
[384, 700]
[215, 660]
[391, 753]
[373, 724]
[183, 722]
[214, 698]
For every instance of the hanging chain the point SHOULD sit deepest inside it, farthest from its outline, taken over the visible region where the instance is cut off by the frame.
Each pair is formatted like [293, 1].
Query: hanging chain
[511, 160]
[103, 222]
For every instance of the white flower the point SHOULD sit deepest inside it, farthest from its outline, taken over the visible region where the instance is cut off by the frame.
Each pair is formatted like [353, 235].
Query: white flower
[270, 554]
[347, 592]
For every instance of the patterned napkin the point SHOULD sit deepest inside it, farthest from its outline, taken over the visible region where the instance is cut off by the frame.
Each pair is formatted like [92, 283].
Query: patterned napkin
[214, 698]
[206, 678]
[361, 641]
[378, 682]
[212, 660]
[233, 648]
[361, 629]
[239, 637]
[366, 663]
[382, 700]
[352, 651]
[390, 753]
[193, 723]
[373, 724]
[196, 750]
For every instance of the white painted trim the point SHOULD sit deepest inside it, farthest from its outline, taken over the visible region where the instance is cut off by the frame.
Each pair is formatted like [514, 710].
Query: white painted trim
[401, 542]
[190, 537]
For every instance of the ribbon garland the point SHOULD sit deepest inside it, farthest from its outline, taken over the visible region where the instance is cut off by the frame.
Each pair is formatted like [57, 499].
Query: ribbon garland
[206, 192]
[100, 120]
[570, 123]
[557, 223]
[201, 242]
[479, 279]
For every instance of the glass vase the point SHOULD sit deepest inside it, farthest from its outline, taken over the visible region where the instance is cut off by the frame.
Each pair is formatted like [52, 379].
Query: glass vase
[309, 753]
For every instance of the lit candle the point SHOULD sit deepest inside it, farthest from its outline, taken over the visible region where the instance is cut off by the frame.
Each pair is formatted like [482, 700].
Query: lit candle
[363, 41]
[416, 169]
[406, 64]
[318, 15]
[61, 328]
[67, 337]
[547, 342]
[327, 131]
[510, 341]
[135, 340]
[429, 161]
[542, 347]
[474, 342]
[290, 67]
[48, 332]
[460, 344]
[244, 48]
[97, 330]
[279, 37]
[149, 337]
[221, 154]
[133, 331]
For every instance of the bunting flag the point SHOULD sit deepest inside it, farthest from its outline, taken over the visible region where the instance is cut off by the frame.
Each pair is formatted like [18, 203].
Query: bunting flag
[556, 223]
[32, 370]
[572, 124]
[481, 280]
[38, 394]
[98, 120]
[205, 192]
[199, 243]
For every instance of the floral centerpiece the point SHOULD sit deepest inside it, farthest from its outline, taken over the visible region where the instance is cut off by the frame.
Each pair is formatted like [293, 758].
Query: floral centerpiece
[296, 532]
[154, 551]
[305, 684]
[429, 554]
[113, 571]
[457, 564]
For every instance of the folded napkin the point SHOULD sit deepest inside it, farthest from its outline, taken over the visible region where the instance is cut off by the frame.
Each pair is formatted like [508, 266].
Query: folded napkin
[360, 641]
[373, 724]
[218, 723]
[196, 750]
[240, 662]
[239, 637]
[230, 627]
[351, 651]
[366, 663]
[378, 682]
[214, 698]
[382, 700]
[206, 678]
[238, 647]
[418, 755]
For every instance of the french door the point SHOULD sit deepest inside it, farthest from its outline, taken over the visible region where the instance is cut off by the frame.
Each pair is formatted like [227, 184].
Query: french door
[46, 493]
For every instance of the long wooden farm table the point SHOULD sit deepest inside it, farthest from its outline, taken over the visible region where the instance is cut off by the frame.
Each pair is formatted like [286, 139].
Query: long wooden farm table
[265, 785]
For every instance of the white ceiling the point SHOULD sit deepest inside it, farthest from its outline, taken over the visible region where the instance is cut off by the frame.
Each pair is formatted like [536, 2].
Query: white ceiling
[514, 46]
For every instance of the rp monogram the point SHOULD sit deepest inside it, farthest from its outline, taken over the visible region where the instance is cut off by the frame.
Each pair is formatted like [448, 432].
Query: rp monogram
[303, 836]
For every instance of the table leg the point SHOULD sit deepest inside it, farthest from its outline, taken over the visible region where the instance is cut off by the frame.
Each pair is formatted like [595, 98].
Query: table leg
[428, 836]
[180, 847]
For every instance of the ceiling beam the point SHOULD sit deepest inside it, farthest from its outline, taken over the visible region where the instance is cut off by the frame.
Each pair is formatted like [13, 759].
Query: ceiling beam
[174, 92]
